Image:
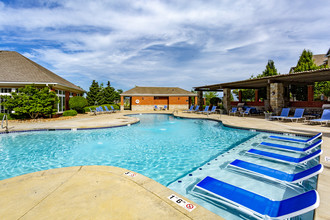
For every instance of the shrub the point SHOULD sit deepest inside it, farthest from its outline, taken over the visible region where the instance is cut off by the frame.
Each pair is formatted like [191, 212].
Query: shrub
[70, 113]
[78, 103]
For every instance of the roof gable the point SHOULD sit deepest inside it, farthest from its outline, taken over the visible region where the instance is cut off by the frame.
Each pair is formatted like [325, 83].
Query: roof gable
[14, 67]
[157, 91]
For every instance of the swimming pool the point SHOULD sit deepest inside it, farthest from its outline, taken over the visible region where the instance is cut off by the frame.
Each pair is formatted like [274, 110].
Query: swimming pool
[162, 147]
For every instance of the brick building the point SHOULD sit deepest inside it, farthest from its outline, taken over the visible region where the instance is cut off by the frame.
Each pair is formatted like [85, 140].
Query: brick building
[145, 98]
[17, 71]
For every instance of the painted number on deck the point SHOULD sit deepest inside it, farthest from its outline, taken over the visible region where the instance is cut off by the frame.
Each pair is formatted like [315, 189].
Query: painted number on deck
[181, 202]
[130, 174]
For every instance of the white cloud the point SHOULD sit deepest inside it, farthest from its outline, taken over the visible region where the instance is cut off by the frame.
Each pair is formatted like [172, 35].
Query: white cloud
[164, 43]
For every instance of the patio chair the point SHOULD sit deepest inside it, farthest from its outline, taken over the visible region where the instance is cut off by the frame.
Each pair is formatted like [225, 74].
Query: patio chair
[275, 175]
[254, 204]
[113, 109]
[205, 110]
[156, 108]
[233, 111]
[284, 113]
[213, 110]
[107, 110]
[190, 109]
[298, 114]
[92, 111]
[165, 107]
[324, 118]
[290, 148]
[246, 112]
[310, 140]
[284, 158]
[196, 109]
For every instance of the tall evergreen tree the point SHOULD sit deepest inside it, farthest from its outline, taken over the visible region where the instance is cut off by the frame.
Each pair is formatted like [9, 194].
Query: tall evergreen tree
[305, 62]
[94, 95]
[270, 70]
[109, 94]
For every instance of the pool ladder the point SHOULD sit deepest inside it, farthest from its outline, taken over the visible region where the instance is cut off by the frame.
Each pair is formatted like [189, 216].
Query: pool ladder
[5, 117]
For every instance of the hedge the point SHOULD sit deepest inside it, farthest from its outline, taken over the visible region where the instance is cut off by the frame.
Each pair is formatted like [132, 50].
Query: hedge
[93, 107]
[70, 113]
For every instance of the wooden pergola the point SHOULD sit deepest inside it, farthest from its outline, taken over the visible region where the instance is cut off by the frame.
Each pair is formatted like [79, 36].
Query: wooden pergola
[277, 87]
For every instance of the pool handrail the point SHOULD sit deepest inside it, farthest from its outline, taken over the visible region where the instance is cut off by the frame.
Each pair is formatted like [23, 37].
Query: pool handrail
[254, 204]
[291, 148]
[276, 175]
[296, 140]
[284, 158]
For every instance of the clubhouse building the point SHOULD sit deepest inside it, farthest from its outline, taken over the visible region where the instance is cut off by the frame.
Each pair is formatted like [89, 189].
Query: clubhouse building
[16, 71]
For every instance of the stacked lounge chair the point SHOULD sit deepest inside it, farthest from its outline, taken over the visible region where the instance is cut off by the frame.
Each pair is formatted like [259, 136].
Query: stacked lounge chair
[256, 205]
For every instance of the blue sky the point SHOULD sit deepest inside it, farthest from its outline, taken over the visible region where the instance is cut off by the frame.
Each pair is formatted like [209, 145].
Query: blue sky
[180, 43]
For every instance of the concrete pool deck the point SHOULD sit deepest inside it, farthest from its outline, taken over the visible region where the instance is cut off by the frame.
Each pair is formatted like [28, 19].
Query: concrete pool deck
[101, 192]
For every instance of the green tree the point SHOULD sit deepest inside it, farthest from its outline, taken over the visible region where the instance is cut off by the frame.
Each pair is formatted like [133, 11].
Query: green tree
[208, 96]
[94, 95]
[32, 101]
[269, 71]
[305, 62]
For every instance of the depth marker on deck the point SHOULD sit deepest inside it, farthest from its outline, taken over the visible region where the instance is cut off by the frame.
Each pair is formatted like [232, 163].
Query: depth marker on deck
[131, 174]
[181, 202]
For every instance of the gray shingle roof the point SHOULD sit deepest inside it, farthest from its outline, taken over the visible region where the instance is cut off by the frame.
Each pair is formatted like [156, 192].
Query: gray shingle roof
[157, 91]
[14, 67]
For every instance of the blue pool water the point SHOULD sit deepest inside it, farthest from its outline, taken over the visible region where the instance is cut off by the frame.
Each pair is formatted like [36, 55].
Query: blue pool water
[161, 147]
[173, 151]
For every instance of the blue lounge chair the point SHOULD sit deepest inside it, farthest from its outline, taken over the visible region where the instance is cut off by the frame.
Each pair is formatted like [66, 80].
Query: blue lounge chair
[212, 110]
[310, 140]
[92, 111]
[101, 109]
[276, 175]
[165, 107]
[205, 110]
[107, 110]
[246, 112]
[298, 114]
[254, 204]
[285, 159]
[284, 113]
[190, 109]
[324, 118]
[196, 109]
[290, 148]
[113, 109]
[233, 111]
[156, 108]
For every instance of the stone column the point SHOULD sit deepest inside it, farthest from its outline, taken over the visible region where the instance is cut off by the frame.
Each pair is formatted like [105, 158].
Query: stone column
[267, 101]
[277, 97]
[200, 100]
[226, 99]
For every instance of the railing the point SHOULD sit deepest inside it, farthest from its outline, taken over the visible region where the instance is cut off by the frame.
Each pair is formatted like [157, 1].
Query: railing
[5, 127]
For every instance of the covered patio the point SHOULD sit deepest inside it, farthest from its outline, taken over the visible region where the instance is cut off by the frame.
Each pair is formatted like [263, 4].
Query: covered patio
[277, 90]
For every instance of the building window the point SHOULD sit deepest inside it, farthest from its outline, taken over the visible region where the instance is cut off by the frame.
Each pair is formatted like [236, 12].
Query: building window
[61, 104]
[71, 94]
[5, 91]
